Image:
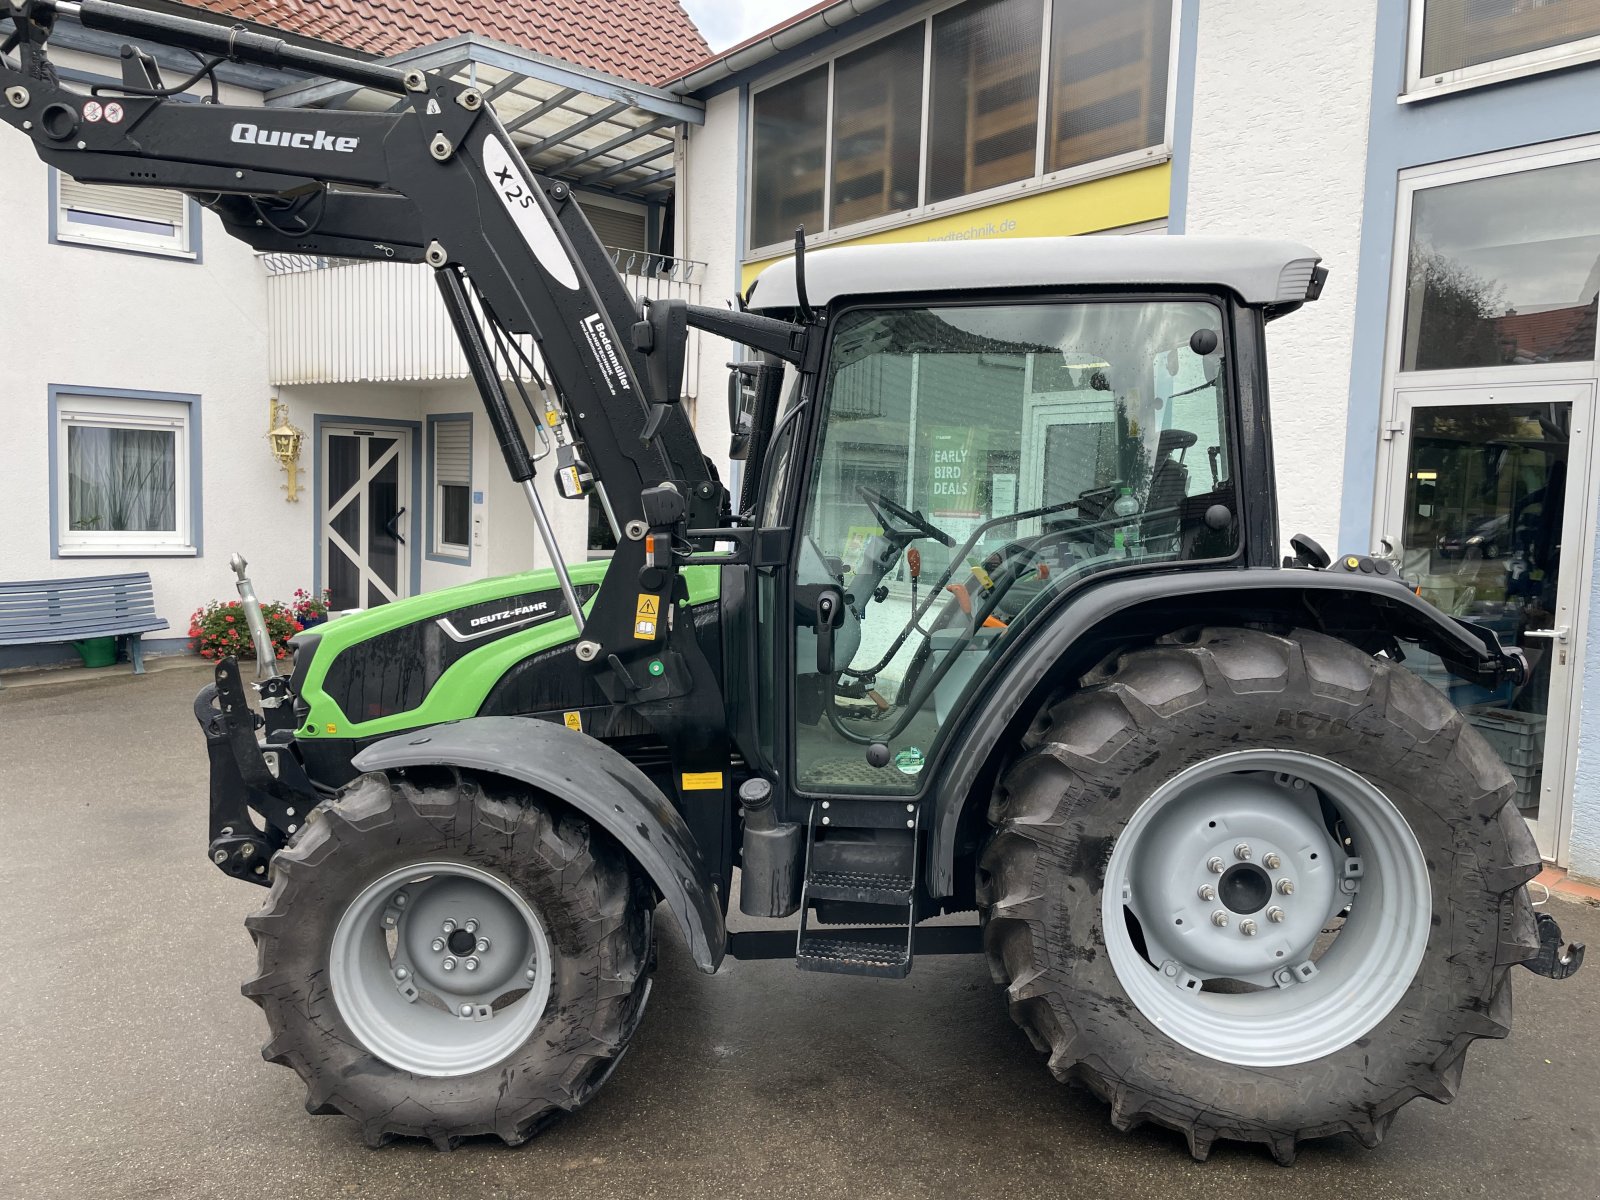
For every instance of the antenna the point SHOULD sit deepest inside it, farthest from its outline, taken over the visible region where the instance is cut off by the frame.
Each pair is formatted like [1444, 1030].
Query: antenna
[800, 273]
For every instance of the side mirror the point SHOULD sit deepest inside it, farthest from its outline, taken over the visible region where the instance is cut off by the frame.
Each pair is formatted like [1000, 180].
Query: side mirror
[748, 384]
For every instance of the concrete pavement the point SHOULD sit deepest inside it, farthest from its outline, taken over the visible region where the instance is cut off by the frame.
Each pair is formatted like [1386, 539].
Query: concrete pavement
[129, 1063]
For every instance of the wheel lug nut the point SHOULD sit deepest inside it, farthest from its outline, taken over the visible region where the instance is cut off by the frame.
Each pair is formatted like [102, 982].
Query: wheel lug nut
[1275, 915]
[401, 899]
[1207, 892]
[471, 927]
[532, 974]
[401, 974]
[482, 946]
[1248, 928]
[1242, 851]
[466, 1010]
[1286, 887]
[1215, 865]
[449, 964]
[437, 944]
[1271, 862]
[1219, 919]
[449, 926]
[471, 964]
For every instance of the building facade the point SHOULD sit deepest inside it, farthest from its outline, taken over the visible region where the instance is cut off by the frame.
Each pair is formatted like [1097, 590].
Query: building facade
[1435, 405]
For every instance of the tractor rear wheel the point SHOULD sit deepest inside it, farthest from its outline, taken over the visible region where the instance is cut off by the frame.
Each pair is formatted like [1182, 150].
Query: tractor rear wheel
[449, 960]
[1258, 887]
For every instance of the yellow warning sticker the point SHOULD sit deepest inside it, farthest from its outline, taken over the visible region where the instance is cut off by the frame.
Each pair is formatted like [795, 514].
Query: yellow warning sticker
[573, 721]
[702, 781]
[645, 617]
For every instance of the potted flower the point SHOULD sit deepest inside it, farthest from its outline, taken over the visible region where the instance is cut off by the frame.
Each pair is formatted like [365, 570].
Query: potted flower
[310, 609]
[219, 630]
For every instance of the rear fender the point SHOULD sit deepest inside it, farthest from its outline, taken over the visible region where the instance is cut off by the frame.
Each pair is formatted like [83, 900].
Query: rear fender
[596, 781]
[1084, 627]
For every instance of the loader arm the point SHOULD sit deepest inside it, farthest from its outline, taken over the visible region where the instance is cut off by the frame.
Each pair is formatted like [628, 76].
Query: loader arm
[440, 181]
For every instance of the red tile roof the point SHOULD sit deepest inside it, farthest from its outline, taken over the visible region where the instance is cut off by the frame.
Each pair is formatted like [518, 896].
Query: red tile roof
[643, 40]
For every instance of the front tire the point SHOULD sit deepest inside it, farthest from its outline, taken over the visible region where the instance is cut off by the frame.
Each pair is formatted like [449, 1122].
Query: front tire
[1241, 750]
[353, 940]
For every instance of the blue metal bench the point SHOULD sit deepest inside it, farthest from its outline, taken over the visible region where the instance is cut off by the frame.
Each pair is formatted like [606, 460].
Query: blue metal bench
[37, 611]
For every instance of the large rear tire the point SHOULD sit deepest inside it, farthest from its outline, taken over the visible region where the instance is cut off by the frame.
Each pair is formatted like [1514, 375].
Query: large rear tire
[449, 960]
[1135, 902]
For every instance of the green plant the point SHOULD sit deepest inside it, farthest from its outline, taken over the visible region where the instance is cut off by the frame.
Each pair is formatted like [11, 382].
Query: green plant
[219, 629]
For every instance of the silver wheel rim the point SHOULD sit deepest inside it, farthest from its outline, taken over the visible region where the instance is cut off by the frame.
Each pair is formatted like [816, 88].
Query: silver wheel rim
[401, 977]
[1264, 985]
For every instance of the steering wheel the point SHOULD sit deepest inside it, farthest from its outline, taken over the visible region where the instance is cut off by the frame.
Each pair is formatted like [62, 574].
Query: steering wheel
[882, 507]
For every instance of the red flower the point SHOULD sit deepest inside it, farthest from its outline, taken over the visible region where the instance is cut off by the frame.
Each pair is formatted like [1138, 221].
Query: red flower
[229, 620]
[298, 628]
[205, 654]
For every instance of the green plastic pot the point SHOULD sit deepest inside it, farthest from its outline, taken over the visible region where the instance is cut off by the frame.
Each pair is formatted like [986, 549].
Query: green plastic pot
[97, 652]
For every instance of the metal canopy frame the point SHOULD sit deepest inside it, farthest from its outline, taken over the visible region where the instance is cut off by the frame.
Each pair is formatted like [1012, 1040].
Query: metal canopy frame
[598, 132]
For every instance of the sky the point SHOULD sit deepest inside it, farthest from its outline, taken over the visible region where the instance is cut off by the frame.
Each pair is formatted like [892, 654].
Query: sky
[727, 22]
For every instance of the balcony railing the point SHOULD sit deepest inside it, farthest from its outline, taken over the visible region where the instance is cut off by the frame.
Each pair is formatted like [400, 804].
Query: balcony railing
[335, 320]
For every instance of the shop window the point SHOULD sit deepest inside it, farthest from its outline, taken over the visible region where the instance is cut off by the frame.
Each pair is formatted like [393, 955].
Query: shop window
[123, 477]
[145, 220]
[1503, 271]
[984, 118]
[791, 125]
[452, 486]
[1108, 79]
[1461, 34]
[877, 128]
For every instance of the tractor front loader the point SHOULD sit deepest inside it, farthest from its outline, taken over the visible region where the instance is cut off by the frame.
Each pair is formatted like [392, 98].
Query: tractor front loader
[998, 623]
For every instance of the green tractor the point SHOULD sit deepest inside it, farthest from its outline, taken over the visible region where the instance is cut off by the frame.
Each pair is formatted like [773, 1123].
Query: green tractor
[996, 623]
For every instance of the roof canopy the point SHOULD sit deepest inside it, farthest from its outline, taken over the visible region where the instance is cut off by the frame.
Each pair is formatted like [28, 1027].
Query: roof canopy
[1261, 271]
[594, 130]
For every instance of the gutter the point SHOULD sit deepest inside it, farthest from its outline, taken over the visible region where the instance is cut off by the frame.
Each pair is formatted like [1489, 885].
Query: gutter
[769, 45]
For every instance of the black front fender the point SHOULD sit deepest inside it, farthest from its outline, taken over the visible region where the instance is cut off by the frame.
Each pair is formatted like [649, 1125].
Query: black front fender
[1372, 612]
[598, 782]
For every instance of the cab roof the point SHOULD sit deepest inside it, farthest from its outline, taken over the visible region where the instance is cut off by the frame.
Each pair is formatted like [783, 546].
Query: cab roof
[1260, 270]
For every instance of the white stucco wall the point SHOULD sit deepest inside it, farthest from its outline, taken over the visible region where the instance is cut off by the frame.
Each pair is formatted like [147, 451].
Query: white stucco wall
[709, 227]
[1281, 102]
[86, 317]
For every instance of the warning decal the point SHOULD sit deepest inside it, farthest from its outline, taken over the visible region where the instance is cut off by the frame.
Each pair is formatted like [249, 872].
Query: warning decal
[646, 617]
[702, 781]
[92, 111]
[573, 720]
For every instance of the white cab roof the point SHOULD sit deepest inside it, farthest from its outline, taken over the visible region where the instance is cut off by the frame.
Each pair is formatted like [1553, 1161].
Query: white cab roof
[1260, 270]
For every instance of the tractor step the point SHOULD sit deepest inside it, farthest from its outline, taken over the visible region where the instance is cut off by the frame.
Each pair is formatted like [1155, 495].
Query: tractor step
[852, 877]
[860, 887]
[844, 953]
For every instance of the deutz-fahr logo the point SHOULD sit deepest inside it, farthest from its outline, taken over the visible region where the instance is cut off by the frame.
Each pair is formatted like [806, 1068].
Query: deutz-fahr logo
[252, 135]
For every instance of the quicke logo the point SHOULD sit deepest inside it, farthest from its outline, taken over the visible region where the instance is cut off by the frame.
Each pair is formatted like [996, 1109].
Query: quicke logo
[253, 135]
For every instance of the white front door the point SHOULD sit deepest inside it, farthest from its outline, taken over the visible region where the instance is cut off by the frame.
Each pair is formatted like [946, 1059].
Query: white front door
[364, 523]
[1486, 507]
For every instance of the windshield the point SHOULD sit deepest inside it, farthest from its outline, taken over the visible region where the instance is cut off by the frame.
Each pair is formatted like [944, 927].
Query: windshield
[973, 461]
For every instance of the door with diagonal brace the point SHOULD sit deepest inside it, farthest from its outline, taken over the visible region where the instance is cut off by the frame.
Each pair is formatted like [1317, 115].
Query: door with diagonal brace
[364, 523]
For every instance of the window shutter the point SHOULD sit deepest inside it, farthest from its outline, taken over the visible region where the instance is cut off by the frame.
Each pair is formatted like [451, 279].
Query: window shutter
[452, 453]
[156, 205]
[617, 229]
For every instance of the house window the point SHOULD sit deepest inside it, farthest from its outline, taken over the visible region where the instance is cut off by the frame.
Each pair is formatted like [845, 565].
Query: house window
[790, 157]
[1501, 270]
[452, 486]
[983, 129]
[1464, 42]
[974, 101]
[124, 475]
[145, 220]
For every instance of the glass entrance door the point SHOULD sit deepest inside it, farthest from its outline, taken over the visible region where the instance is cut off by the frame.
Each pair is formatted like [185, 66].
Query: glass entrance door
[1481, 517]
[365, 485]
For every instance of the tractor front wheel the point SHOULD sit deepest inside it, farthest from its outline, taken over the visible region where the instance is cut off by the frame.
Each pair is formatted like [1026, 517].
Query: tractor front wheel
[1257, 887]
[441, 960]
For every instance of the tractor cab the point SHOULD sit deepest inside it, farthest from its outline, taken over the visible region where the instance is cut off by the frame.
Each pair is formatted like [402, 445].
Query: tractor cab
[1013, 422]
